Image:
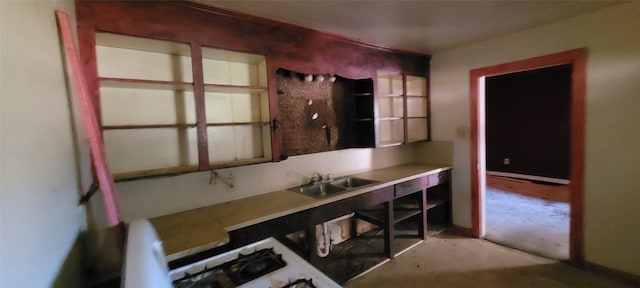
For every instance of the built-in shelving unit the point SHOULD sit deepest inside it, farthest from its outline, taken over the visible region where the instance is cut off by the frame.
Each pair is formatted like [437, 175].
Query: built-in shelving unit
[402, 109]
[417, 108]
[362, 118]
[149, 109]
[390, 98]
[438, 204]
[236, 107]
[146, 105]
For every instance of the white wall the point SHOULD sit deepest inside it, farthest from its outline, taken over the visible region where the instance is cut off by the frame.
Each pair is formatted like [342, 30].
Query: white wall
[40, 187]
[612, 191]
[161, 196]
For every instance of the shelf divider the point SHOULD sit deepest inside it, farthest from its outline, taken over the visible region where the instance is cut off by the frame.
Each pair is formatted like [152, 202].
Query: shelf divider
[111, 82]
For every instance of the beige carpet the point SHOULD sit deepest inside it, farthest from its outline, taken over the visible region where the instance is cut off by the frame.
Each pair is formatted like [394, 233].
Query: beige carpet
[452, 261]
[527, 223]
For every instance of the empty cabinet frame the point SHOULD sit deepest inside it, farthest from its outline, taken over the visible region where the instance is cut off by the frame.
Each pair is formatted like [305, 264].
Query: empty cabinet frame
[148, 106]
[394, 91]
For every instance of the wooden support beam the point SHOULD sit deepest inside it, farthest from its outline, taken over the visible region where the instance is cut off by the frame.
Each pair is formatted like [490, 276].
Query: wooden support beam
[96, 144]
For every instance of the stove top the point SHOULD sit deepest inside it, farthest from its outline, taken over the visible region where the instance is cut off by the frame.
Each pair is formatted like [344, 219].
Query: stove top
[236, 272]
[251, 266]
[263, 264]
[301, 283]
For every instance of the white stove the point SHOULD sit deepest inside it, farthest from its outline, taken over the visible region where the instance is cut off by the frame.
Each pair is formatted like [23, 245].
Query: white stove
[264, 264]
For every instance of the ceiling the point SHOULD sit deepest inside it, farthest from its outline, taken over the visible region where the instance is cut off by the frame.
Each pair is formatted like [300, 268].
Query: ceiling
[422, 26]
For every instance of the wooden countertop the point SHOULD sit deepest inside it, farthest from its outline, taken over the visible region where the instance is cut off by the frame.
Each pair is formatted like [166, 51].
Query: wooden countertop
[186, 233]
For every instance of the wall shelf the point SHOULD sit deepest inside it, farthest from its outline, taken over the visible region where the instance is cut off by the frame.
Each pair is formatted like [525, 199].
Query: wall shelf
[220, 88]
[151, 107]
[136, 175]
[145, 84]
[116, 127]
[402, 108]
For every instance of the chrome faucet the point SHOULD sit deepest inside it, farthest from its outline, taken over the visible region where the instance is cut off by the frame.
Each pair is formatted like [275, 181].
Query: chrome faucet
[317, 178]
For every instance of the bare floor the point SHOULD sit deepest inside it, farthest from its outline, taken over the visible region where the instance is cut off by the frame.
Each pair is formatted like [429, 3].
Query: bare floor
[528, 223]
[448, 260]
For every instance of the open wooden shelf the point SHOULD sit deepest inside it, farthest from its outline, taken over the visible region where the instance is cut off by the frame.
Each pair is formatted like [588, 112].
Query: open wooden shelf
[114, 127]
[403, 98]
[184, 87]
[171, 171]
[145, 84]
[434, 203]
[378, 216]
[238, 124]
[221, 88]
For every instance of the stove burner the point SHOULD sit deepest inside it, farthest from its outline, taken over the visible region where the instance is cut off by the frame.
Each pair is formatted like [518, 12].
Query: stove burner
[207, 278]
[301, 283]
[251, 266]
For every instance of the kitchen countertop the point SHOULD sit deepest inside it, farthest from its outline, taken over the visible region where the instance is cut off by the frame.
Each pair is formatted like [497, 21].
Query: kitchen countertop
[186, 233]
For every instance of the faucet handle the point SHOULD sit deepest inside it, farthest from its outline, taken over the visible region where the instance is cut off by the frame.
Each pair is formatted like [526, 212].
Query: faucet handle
[316, 177]
[328, 177]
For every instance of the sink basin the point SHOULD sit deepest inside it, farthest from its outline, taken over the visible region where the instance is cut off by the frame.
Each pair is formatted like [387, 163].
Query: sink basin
[319, 190]
[338, 185]
[352, 182]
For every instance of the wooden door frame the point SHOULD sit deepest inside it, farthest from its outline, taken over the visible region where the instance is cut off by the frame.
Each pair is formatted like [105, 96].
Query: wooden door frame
[577, 58]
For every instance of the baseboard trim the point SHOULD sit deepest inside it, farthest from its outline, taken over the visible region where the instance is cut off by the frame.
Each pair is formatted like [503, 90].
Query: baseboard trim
[530, 177]
[464, 231]
[621, 276]
[558, 193]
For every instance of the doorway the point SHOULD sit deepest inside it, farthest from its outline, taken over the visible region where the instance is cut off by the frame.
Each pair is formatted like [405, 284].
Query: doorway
[528, 159]
[478, 77]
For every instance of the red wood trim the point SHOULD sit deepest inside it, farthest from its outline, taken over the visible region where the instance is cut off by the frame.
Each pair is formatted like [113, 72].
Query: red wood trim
[153, 126]
[428, 76]
[87, 45]
[298, 49]
[578, 124]
[292, 27]
[89, 116]
[405, 121]
[577, 58]
[476, 198]
[376, 113]
[201, 117]
[274, 113]
[467, 232]
[557, 193]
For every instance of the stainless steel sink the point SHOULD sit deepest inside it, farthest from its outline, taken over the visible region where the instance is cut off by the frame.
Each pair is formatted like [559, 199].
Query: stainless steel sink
[332, 187]
[320, 190]
[351, 182]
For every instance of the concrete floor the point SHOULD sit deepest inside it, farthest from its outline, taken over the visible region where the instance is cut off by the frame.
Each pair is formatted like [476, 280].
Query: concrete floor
[448, 260]
[527, 223]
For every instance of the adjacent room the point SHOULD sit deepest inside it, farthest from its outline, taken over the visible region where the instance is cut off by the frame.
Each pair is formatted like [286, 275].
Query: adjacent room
[344, 143]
